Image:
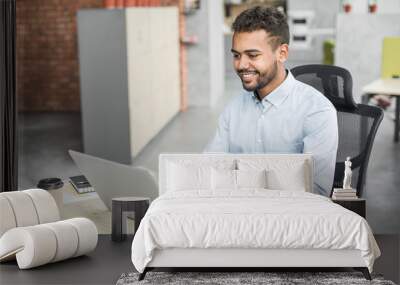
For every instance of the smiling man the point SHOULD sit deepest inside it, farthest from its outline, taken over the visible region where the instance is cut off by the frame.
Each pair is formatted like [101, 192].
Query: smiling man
[276, 113]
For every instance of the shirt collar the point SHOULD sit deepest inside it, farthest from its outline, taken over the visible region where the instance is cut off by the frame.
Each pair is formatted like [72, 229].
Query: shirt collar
[280, 93]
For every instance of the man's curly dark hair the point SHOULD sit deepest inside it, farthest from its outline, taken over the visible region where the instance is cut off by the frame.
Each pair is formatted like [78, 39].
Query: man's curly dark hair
[269, 19]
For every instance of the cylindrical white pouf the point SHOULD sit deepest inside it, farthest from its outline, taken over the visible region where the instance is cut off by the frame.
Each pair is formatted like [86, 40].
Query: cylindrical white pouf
[45, 205]
[87, 234]
[34, 245]
[67, 239]
[23, 208]
[7, 218]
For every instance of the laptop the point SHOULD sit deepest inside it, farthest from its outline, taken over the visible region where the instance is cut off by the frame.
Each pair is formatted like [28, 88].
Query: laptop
[111, 179]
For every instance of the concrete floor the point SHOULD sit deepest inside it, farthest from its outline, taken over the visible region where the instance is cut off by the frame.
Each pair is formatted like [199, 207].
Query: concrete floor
[46, 137]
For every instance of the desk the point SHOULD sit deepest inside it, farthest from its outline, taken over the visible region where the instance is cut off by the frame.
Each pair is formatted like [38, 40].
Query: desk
[389, 87]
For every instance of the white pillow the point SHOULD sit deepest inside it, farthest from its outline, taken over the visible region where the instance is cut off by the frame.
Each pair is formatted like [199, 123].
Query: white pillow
[282, 174]
[287, 180]
[251, 178]
[223, 179]
[236, 179]
[185, 177]
[193, 173]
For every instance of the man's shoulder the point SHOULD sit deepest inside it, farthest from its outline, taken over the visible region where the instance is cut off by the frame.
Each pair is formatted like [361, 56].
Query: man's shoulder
[311, 96]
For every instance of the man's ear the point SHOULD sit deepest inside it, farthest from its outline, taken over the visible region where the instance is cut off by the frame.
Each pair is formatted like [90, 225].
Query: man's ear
[283, 52]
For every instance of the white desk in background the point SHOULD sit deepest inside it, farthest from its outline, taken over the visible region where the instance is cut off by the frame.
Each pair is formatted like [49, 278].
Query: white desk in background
[390, 87]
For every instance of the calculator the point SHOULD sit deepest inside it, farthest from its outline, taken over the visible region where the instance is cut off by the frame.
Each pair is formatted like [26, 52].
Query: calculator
[81, 184]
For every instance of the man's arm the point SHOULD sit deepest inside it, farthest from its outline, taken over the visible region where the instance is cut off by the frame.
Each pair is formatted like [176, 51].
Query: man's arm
[220, 142]
[321, 139]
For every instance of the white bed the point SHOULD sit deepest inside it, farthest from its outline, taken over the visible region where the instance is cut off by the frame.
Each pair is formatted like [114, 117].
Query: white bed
[201, 220]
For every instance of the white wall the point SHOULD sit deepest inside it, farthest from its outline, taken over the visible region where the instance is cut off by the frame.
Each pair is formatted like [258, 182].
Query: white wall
[359, 45]
[384, 6]
[205, 59]
[325, 18]
[388, 7]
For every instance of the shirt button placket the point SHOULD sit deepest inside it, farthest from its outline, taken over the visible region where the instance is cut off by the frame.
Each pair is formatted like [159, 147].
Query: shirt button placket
[258, 133]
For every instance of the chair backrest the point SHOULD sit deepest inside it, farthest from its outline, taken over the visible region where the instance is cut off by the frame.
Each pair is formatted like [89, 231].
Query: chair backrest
[357, 123]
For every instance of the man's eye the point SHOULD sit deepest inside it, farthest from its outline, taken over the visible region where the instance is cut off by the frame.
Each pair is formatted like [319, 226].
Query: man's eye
[236, 56]
[253, 55]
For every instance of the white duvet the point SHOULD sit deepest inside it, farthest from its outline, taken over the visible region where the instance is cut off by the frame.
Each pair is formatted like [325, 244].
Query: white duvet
[251, 218]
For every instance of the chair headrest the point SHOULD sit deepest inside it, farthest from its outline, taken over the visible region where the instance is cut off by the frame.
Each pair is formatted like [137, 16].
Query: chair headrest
[334, 82]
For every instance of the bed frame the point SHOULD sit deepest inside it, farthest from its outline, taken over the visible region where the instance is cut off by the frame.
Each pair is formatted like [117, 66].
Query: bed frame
[241, 259]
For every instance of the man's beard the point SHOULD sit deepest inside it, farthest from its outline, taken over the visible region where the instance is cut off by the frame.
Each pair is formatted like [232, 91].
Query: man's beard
[264, 79]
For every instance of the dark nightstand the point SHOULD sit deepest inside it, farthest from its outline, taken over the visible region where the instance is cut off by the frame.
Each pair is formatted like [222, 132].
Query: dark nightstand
[123, 206]
[356, 205]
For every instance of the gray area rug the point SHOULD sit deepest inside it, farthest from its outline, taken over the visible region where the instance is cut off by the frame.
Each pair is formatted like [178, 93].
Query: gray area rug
[228, 278]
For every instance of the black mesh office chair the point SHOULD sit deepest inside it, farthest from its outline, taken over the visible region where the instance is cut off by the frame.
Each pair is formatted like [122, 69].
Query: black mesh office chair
[357, 123]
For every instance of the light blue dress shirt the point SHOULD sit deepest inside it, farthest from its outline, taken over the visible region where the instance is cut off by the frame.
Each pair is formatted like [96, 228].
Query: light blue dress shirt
[293, 118]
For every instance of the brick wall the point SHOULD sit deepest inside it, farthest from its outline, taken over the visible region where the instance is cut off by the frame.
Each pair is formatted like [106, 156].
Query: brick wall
[47, 57]
[47, 62]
